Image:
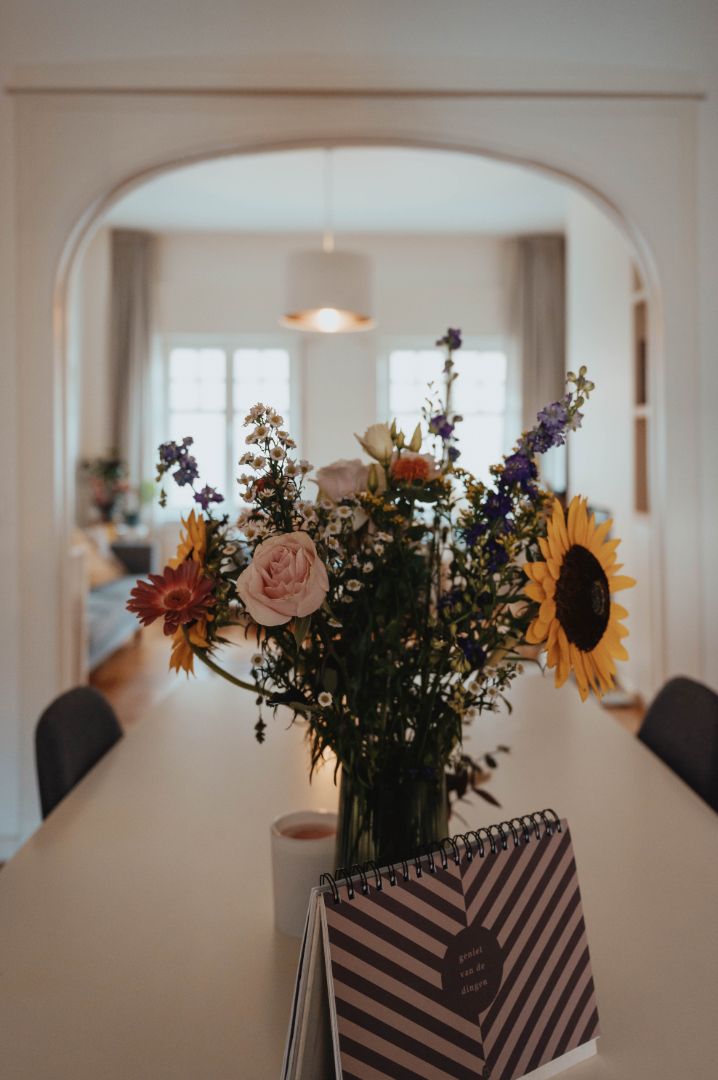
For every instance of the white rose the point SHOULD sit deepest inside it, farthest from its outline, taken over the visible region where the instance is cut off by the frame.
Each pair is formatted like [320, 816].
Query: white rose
[377, 442]
[343, 478]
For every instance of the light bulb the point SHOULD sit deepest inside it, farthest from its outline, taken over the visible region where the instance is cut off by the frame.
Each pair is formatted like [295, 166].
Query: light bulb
[328, 320]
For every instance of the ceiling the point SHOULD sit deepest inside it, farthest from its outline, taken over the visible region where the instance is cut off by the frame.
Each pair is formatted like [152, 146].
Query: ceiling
[374, 190]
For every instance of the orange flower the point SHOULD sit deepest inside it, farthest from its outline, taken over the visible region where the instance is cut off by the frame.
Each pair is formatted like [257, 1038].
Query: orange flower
[179, 595]
[410, 467]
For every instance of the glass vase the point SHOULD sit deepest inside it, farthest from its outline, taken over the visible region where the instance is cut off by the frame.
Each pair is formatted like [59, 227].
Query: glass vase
[392, 818]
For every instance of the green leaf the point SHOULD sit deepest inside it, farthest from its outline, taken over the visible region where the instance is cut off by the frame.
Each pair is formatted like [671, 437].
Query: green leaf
[300, 628]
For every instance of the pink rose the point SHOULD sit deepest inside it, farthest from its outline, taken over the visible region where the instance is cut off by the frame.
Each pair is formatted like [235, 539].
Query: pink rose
[343, 478]
[285, 579]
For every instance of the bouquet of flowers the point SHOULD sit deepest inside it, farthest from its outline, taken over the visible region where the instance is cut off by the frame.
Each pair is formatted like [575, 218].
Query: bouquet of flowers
[393, 604]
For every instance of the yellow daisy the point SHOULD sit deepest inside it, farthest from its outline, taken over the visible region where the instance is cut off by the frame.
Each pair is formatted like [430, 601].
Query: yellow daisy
[193, 542]
[182, 657]
[578, 618]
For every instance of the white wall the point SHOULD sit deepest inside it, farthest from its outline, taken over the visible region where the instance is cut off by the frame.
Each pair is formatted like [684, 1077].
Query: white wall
[233, 284]
[601, 455]
[613, 46]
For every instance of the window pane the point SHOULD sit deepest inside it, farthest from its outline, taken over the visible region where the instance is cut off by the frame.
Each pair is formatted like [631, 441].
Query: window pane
[479, 395]
[262, 375]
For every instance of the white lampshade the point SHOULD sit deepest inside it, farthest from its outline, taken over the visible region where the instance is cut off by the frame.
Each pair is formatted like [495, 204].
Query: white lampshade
[329, 292]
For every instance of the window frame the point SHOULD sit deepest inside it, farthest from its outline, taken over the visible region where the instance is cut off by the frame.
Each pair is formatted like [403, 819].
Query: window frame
[230, 342]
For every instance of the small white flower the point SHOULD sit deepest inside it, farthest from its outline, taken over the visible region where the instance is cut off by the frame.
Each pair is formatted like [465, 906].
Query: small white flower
[474, 687]
[226, 566]
[276, 453]
[344, 511]
[247, 459]
[251, 532]
[282, 434]
[258, 462]
[333, 528]
[325, 699]
[379, 549]
[326, 504]
[334, 622]
[261, 431]
[248, 497]
[229, 549]
[387, 538]
[353, 585]
[305, 466]
[257, 659]
[245, 479]
[289, 443]
[276, 419]
[291, 468]
[470, 714]
[347, 599]
[367, 567]
[251, 438]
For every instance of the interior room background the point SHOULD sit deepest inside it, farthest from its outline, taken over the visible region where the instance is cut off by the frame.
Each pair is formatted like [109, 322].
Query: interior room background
[61, 155]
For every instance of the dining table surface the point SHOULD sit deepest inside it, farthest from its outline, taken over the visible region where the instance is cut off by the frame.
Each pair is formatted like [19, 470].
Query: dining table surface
[136, 924]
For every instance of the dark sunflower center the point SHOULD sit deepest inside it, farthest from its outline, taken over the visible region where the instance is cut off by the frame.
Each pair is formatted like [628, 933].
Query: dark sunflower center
[583, 602]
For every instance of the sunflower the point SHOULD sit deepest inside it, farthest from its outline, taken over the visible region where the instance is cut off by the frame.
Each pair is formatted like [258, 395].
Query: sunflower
[578, 618]
[193, 542]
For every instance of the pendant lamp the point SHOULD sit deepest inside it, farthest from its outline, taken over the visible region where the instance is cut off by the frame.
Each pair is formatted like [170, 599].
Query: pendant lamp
[328, 291]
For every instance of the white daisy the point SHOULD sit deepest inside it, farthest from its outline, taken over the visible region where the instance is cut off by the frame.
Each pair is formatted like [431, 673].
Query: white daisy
[379, 549]
[368, 567]
[258, 462]
[385, 537]
[276, 419]
[345, 511]
[276, 453]
[325, 699]
[326, 504]
[257, 659]
[353, 585]
[246, 459]
[291, 469]
[305, 466]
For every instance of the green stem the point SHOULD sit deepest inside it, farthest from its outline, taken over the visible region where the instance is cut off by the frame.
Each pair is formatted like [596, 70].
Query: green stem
[296, 706]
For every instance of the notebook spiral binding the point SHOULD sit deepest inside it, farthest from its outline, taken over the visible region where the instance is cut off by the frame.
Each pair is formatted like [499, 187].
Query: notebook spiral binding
[530, 827]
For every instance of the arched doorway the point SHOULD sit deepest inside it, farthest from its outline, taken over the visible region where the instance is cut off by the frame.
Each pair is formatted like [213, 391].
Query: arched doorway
[115, 146]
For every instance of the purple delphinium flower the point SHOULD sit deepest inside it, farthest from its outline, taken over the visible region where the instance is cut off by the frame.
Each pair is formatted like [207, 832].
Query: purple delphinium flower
[497, 555]
[519, 468]
[473, 652]
[206, 496]
[452, 339]
[441, 426]
[187, 472]
[454, 453]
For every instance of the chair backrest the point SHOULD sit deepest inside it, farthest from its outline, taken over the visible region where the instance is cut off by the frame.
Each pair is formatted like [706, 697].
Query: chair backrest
[681, 727]
[72, 734]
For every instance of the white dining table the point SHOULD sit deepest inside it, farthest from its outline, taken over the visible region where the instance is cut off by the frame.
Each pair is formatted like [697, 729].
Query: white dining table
[136, 930]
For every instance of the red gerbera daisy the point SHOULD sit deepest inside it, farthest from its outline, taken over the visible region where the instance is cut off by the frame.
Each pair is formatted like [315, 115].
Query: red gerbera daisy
[180, 595]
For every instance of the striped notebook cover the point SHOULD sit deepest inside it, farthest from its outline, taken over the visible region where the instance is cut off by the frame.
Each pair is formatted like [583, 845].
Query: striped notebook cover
[469, 962]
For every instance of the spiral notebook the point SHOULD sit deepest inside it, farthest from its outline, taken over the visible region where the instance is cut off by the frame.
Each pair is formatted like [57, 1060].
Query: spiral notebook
[467, 960]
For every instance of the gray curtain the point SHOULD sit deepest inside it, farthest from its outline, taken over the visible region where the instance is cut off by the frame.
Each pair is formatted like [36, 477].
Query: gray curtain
[541, 336]
[133, 272]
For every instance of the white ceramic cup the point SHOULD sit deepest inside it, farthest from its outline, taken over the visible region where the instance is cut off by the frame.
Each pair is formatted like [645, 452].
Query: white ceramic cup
[302, 849]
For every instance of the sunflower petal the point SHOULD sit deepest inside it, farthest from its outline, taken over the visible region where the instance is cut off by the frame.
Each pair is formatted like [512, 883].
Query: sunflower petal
[616, 582]
[618, 611]
[535, 570]
[536, 632]
[535, 592]
[600, 535]
[547, 611]
[559, 523]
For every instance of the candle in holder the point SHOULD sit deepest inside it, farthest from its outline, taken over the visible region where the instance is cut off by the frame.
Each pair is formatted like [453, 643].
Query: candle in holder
[303, 845]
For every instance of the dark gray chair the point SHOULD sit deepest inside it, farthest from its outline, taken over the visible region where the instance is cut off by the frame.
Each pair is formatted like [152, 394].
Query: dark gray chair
[681, 727]
[71, 736]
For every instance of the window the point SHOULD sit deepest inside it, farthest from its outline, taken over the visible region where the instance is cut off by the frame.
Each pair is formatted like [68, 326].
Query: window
[479, 396]
[210, 388]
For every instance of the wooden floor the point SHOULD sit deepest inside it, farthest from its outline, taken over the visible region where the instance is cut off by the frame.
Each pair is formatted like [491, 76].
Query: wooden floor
[137, 677]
